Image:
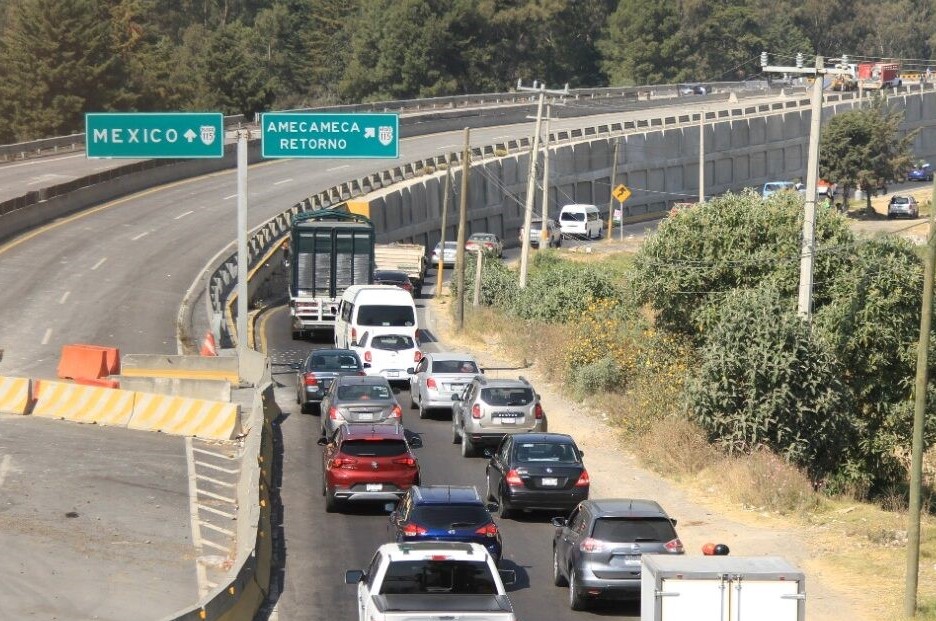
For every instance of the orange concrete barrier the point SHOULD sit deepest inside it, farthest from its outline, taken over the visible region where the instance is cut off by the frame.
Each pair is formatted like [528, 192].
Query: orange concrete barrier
[15, 395]
[185, 417]
[84, 404]
[88, 362]
[103, 382]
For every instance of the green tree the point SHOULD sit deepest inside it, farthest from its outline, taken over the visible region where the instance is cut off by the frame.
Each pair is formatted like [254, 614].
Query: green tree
[724, 39]
[233, 74]
[641, 44]
[58, 62]
[865, 149]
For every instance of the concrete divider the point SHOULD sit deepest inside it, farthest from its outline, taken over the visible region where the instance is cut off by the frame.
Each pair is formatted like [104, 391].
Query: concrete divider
[213, 390]
[84, 404]
[15, 395]
[223, 368]
[185, 417]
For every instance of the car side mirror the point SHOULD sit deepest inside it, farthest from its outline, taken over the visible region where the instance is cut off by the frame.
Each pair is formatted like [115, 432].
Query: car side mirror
[559, 522]
[322, 442]
[411, 371]
[508, 576]
[456, 397]
[673, 521]
[481, 371]
[416, 442]
[366, 365]
[295, 366]
[353, 576]
[487, 453]
[394, 516]
[492, 507]
[581, 453]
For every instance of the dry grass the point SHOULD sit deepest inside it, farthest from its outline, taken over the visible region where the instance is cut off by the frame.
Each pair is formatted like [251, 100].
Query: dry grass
[676, 448]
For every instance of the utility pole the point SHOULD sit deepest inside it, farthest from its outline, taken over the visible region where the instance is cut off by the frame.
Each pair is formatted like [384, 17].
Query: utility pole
[808, 247]
[919, 418]
[611, 192]
[544, 230]
[531, 179]
[440, 270]
[702, 156]
[462, 224]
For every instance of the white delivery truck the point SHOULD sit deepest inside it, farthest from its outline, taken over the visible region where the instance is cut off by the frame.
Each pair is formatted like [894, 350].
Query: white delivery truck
[721, 588]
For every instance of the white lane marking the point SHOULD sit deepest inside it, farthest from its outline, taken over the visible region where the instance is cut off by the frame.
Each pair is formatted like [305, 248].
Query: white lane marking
[282, 181]
[5, 467]
[42, 161]
[64, 297]
[338, 168]
[46, 336]
[141, 235]
[182, 215]
[201, 574]
[449, 146]
[227, 198]
[99, 263]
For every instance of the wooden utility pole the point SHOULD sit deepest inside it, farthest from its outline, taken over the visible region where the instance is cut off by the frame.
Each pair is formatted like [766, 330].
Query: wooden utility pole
[919, 419]
[462, 225]
[544, 230]
[808, 252]
[445, 203]
[611, 193]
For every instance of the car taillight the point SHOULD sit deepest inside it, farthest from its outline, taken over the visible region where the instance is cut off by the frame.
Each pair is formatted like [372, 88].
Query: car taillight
[538, 411]
[674, 546]
[405, 461]
[333, 413]
[414, 530]
[591, 545]
[367, 356]
[431, 383]
[513, 479]
[309, 379]
[417, 356]
[396, 412]
[583, 480]
[338, 462]
[417, 335]
[353, 335]
[490, 530]
[476, 411]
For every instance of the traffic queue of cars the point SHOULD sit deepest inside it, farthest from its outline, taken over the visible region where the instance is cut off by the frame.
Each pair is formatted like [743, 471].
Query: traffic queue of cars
[368, 456]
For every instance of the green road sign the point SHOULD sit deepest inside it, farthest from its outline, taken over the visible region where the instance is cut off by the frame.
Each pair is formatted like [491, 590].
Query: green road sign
[154, 134]
[297, 134]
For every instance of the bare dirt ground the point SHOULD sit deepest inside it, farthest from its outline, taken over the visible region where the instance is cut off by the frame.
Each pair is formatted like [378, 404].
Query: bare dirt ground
[853, 554]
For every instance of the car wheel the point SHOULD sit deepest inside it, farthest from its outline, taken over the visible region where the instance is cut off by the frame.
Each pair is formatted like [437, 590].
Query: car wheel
[412, 400]
[331, 503]
[504, 512]
[298, 398]
[303, 408]
[422, 413]
[296, 335]
[558, 579]
[559, 242]
[467, 448]
[455, 437]
[576, 599]
[488, 496]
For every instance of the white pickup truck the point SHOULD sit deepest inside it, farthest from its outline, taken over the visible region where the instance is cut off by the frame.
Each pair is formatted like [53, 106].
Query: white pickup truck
[432, 580]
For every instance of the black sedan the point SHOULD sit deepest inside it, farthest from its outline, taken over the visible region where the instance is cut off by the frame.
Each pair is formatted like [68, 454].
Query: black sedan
[537, 471]
[317, 372]
[393, 277]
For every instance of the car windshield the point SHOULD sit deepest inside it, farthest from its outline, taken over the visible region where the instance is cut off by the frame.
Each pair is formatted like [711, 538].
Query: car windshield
[374, 448]
[450, 516]
[776, 187]
[443, 577]
[363, 392]
[392, 342]
[542, 452]
[390, 276]
[334, 362]
[507, 396]
[454, 366]
[633, 529]
[448, 246]
[572, 216]
[385, 315]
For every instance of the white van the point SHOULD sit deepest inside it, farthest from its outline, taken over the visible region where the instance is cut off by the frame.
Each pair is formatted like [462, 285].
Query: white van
[379, 309]
[580, 221]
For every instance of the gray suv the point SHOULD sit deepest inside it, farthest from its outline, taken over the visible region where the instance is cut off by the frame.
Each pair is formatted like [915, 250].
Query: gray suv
[490, 409]
[553, 235]
[596, 551]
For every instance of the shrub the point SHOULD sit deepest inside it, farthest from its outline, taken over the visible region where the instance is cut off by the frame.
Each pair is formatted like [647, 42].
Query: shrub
[766, 482]
[560, 290]
[499, 286]
[602, 375]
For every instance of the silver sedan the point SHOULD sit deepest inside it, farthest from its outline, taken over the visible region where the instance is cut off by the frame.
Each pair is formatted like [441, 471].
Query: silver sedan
[437, 377]
[358, 399]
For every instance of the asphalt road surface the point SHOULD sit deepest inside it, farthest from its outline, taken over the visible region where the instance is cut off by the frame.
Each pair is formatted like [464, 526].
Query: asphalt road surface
[320, 546]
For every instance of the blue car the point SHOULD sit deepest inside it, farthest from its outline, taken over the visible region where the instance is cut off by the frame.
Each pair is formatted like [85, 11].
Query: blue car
[923, 172]
[446, 513]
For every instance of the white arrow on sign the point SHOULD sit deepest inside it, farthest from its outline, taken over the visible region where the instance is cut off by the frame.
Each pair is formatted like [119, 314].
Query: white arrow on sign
[190, 135]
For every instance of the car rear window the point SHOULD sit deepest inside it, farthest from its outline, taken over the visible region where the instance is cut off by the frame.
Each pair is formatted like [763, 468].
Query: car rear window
[334, 362]
[392, 342]
[450, 516]
[454, 366]
[380, 315]
[507, 396]
[631, 529]
[900, 200]
[428, 577]
[363, 392]
[546, 452]
[572, 217]
[374, 448]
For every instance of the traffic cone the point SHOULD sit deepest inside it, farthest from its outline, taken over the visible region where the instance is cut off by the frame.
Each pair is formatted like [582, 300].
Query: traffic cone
[208, 347]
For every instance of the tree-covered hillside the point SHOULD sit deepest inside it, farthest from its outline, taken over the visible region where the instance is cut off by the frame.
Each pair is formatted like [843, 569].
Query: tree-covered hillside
[62, 58]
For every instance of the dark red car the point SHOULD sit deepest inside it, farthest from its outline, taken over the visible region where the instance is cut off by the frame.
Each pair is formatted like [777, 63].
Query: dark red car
[393, 277]
[367, 463]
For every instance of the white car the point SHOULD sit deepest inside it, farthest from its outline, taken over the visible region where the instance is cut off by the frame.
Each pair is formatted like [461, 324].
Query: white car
[437, 377]
[448, 255]
[389, 354]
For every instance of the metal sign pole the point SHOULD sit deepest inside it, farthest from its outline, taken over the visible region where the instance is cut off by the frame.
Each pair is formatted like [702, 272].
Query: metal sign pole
[242, 239]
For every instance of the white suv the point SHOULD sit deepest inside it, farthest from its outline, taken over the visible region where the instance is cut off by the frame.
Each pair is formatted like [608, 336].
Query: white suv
[389, 355]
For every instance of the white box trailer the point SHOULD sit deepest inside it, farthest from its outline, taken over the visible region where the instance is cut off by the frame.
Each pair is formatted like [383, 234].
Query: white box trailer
[721, 588]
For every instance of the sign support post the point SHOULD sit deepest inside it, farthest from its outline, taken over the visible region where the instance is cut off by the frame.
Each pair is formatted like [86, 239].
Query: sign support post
[242, 294]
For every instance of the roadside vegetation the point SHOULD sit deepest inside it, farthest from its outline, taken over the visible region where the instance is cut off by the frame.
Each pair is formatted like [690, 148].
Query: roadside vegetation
[692, 348]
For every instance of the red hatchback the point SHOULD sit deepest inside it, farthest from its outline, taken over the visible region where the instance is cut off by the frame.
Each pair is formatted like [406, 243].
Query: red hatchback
[367, 462]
